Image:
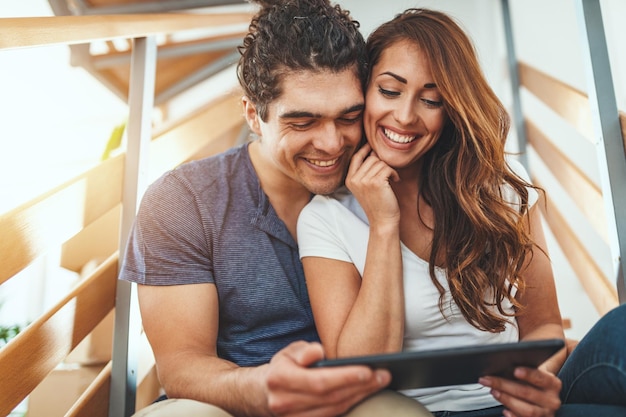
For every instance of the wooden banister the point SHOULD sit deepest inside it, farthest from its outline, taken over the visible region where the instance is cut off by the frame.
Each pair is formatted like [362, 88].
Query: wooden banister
[67, 215]
[45, 343]
[73, 214]
[600, 291]
[94, 401]
[179, 143]
[47, 221]
[22, 32]
[580, 188]
[565, 100]
[57, 216]
[573, 106]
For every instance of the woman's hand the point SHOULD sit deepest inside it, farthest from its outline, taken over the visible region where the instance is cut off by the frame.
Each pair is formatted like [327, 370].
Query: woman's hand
[534, 393]
[369, 180]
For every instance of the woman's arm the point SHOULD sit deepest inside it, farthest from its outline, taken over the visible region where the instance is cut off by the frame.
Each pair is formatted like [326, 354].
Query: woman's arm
[541, 317]
[358, 315]
[535, 392]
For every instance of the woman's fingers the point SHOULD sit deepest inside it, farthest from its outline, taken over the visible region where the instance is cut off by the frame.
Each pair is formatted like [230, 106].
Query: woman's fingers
[534, 392]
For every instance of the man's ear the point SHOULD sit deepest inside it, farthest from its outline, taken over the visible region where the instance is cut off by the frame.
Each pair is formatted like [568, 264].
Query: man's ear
[251, 115]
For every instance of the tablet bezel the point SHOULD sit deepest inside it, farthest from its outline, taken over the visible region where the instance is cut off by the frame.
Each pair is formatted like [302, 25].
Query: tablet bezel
[454, 366]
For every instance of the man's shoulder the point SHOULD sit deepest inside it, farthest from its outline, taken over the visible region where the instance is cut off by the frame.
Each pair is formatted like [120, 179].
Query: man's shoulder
[233, 159]
[202, 179]
[229, 167]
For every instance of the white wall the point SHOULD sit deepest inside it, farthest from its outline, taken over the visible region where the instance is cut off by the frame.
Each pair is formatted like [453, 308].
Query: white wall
[481, 19]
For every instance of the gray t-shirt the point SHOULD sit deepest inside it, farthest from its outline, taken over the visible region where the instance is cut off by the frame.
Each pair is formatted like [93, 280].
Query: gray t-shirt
[209, 221]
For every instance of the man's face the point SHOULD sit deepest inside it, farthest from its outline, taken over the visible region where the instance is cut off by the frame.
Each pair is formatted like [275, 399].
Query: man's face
[314, 127]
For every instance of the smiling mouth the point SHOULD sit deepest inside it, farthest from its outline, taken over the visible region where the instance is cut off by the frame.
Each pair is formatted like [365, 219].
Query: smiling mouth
[323, 163]
[398, 138]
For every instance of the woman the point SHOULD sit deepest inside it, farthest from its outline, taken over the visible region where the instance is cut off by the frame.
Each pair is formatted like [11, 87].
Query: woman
[439, 243]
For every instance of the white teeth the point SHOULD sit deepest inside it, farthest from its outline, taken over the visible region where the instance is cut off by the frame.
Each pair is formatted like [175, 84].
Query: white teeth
[395, 137]
[319, 163]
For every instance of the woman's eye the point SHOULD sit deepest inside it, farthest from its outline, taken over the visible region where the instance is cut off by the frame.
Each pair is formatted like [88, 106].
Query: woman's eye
[432, 103]
[388, 93]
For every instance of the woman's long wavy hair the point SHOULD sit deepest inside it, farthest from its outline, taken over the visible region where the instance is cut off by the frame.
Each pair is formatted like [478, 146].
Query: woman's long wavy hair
[482, 240]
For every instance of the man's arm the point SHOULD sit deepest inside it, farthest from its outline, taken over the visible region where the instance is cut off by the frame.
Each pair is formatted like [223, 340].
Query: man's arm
[181, 322]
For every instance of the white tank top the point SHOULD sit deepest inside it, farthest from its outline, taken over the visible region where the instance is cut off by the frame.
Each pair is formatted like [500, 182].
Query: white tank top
[336, 227]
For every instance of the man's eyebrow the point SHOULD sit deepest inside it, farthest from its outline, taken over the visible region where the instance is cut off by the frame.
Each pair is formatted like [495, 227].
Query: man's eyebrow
[297, 114]
[355, 108]
[404, 80]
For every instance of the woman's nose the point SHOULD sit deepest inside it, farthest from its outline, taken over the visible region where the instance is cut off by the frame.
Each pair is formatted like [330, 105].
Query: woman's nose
[406, 113]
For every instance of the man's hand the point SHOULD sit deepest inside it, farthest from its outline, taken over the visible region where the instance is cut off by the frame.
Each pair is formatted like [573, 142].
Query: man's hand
[296, 390]
[535, 393]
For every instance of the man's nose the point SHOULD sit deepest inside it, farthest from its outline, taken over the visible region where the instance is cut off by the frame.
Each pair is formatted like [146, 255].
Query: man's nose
[329, 138]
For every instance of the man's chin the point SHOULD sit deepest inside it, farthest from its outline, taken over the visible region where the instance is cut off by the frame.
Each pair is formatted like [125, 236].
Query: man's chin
[323, 187]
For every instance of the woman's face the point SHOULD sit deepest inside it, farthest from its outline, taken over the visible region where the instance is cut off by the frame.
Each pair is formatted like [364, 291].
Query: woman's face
[404, 114]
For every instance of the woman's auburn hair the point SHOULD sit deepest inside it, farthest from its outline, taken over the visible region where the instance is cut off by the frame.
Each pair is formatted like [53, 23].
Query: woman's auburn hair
[482, 241]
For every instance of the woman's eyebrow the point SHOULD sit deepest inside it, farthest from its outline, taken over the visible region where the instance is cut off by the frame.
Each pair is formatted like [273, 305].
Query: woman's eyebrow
[404, 80]
[396, 76]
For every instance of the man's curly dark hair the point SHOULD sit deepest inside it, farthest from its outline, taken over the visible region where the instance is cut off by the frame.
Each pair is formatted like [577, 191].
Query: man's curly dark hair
[294, 35]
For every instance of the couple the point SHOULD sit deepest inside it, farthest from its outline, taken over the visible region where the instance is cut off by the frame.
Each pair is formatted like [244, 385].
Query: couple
[434, 214]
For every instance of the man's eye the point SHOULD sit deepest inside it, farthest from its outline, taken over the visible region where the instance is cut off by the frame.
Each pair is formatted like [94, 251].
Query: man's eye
[352, 119]
[301, 125]
[388, 93]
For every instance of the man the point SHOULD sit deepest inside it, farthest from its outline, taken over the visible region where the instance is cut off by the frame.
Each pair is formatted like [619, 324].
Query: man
[221, 287]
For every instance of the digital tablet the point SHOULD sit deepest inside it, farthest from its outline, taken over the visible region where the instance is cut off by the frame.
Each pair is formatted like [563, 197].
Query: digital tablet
[454, 366]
